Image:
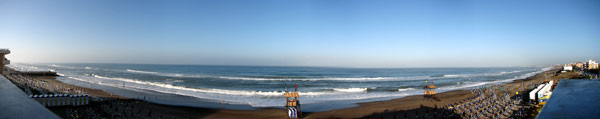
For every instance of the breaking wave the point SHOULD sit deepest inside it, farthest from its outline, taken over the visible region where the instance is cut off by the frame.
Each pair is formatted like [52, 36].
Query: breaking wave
[406, 89]
[165, 74]
[350, 89]
[478, 84]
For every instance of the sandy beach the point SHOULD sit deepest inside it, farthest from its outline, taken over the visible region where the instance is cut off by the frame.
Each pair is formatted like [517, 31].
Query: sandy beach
[114, 106]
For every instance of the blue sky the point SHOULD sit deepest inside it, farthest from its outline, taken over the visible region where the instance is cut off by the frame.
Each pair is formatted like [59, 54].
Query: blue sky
[346, 33]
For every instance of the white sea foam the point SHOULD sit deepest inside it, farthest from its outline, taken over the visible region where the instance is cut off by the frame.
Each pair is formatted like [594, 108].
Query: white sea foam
[174, 81]
[328, 79]
[166, 74]
[477, 84]
[254, 79]
[406, 89]
[143, 72]
[476, 75]
[369, 78]
[61, 66]
[357, 79]
[451, 76]
[155, 86]
[254, 98]
[23, 67]
[350, 89]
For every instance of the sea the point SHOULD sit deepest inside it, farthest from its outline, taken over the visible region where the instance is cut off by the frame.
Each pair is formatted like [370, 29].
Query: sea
[251, 87]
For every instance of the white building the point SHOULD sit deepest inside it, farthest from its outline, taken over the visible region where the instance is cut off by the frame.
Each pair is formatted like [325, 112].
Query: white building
[591, 64]
[567, 68]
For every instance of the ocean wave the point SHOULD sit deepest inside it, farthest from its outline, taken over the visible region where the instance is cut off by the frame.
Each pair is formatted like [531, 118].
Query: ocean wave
[350, 89]
[302, 78]
[254, 79]
[24, 67]
[143, 72]
[475, 75]
[477, 84]
[328, 79]
[406, 89]
[445, 76]
[165, 74]
[257, 98]
[174, 81]
[160, 86]
[62, 66]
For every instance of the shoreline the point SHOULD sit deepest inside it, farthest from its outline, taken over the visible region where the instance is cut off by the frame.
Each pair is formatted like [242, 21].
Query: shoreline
[361, 110]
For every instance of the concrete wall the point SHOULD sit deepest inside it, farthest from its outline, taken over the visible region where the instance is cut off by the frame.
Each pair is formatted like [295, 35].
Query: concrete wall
[16, 104]
[2, 63]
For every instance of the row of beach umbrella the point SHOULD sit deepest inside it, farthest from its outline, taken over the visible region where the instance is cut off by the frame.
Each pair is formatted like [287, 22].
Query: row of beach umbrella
[61, 99]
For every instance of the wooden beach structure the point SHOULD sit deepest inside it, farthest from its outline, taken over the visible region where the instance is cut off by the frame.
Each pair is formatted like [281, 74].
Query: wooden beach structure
[293, 104]
[429, 92]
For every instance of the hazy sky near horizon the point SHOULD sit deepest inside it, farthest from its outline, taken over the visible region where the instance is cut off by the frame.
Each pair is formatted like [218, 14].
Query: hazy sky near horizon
[346, 33]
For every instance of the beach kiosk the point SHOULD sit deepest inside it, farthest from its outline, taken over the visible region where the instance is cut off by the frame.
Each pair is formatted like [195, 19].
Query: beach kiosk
[86, 99]
[77, 100]
[55, 100]
[63, 98]
[293, 104]
[430, 90]
[72, 100]
[45, 98]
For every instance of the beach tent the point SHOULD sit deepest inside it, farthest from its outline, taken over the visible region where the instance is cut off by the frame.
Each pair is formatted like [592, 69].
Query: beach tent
[77, 100]
[39, 99]
[53, 98]
[43, 100]
[532, 94]
[36, 98]
[56, 101]
[64, 99]
[61, 100]
[292, 113]
[85, 99]
[544, 90]
[72, 100]
[50, 101]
